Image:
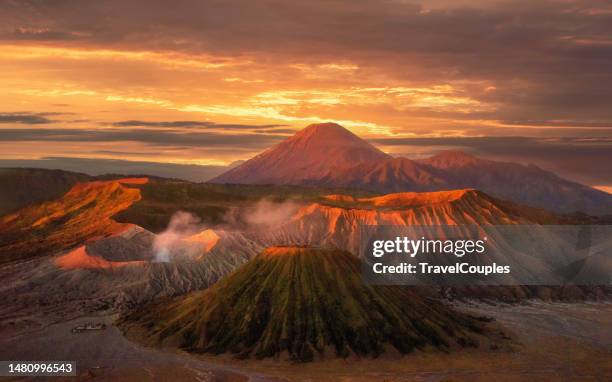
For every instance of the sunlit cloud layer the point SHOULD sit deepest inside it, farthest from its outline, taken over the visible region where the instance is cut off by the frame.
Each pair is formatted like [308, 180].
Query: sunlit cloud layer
[136, 79]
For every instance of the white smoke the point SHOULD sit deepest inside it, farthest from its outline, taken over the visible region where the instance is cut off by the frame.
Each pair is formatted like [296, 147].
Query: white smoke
[177, 241]
[267, 213]
[182, 224]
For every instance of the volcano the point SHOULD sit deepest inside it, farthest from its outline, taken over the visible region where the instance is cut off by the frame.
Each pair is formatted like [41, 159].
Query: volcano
[310, 155]
[328, 155]
[304, 303]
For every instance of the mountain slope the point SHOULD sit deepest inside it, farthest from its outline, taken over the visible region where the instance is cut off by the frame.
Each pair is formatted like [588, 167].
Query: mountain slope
[309, 155]
[21, 187]
[327, 155]
[306, 303]
[336, 220]
[82, 214]
[528, 185]
[389, 175]
[113, 264]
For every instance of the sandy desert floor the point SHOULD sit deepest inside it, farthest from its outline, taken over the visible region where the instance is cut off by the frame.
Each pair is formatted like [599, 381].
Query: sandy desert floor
[550, 342]
[106, 355]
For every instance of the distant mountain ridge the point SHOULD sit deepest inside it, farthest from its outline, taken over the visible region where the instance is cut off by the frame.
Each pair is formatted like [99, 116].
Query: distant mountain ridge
[328, 155]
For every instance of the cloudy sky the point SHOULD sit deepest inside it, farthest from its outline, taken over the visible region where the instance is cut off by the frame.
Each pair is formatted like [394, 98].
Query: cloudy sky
[213, 82]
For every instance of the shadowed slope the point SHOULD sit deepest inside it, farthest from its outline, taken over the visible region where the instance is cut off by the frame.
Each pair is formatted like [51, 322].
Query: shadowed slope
[21, 187]
[304, 304]
[83, 213]
[389, 175]
[529, 185]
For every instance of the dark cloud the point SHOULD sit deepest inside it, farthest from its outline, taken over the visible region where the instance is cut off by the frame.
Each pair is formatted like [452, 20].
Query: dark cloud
[196, 124]
[195, 173]
[277, 131]
[562, 123]
[26, 118]
[157, 137]
[39, 34]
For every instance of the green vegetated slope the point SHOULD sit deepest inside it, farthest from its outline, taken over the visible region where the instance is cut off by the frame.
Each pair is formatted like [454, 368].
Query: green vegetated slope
[302, 304]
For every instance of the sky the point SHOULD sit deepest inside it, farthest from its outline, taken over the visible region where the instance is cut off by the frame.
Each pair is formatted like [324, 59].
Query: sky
[95, 85]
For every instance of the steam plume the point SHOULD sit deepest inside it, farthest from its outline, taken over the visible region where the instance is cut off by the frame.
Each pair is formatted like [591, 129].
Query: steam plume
[182, 224]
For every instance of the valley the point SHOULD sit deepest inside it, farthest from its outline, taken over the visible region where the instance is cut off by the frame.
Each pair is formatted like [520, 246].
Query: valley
[306, 191]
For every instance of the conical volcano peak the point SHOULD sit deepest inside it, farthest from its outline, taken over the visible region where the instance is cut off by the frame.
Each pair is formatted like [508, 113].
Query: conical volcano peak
[311, 154]
[327, 128]
[293, 302]
[324, 125]
[328, 155]
[329, 134]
